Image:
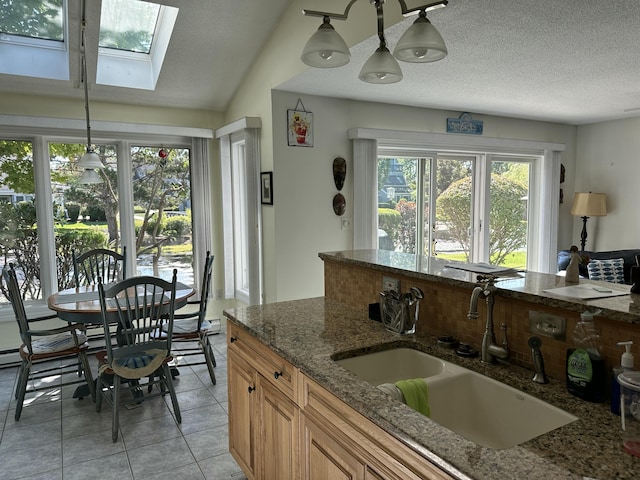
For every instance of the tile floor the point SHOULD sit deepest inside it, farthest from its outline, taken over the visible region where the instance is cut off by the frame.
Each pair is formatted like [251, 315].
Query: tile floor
[59, 437]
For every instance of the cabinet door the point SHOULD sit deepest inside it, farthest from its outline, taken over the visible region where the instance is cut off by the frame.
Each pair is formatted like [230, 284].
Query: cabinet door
[278, 437]
[324, 457]
[242, 413]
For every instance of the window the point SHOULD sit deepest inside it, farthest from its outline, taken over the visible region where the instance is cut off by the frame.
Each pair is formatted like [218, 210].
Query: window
[134, 37]
[127, 25]
[461, 198]
[32, 39]
[58, 215]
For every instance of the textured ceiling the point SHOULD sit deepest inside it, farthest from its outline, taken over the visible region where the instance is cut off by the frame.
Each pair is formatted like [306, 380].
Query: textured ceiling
[568, 61]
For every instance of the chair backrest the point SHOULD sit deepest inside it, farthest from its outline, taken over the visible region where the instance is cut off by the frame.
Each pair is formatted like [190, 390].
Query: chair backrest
[99, 264]
[13, 293]
[139, 306]
[205, 288]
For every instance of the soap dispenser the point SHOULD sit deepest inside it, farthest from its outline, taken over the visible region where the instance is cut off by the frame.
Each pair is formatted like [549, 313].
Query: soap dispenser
[626, 363]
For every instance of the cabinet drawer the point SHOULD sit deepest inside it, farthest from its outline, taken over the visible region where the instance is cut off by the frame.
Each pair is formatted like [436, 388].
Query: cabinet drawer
[384, 456]
[277, 371]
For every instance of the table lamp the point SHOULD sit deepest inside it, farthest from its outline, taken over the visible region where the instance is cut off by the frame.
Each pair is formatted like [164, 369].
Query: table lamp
[587, 205]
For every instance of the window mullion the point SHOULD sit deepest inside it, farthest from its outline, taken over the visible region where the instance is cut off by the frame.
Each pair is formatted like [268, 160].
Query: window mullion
[44, 214]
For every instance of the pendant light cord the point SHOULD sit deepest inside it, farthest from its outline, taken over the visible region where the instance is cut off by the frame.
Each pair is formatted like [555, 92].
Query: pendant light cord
[85, 79]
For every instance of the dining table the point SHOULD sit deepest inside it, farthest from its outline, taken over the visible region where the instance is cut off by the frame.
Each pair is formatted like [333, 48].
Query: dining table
[82, 305]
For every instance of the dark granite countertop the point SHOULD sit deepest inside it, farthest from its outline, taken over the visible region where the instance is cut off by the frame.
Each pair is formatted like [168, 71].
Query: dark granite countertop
[527, 286]
[312, 333]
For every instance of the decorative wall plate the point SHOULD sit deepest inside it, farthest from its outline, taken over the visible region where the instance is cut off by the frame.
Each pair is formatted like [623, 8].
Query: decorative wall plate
[339, 204]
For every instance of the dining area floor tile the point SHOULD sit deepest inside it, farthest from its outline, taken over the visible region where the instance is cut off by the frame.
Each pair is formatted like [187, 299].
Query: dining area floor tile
[61, 437]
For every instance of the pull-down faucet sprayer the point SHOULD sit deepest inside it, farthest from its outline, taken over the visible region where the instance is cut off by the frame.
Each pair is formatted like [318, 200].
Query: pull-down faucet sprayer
[490, 349]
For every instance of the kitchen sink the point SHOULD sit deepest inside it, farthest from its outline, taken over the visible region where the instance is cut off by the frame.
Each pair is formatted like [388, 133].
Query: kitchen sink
[482, 410]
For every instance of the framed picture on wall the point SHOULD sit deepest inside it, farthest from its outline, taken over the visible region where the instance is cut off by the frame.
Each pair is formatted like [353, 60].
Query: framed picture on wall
[266, 188]
[300, 128]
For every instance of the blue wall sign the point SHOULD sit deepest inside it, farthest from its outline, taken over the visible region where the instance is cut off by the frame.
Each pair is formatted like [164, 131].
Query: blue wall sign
[464, 124]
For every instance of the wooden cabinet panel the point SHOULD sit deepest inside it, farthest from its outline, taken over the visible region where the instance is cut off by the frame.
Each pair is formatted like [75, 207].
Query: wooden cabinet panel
[325, 458]
[279, 433]
[242, 413]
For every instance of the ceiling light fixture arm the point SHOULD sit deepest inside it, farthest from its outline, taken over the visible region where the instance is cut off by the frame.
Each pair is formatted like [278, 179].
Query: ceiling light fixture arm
[403, 6]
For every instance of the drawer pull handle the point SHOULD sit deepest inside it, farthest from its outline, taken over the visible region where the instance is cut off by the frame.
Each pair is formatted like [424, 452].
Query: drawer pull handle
[251, 389]
[233, 339]
[276, 375]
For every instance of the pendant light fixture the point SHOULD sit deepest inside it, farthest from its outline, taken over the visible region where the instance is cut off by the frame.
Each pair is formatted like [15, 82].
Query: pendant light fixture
[90, 161]
[421, 43]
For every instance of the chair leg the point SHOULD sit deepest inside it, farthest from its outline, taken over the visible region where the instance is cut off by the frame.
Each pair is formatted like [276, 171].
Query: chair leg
[99, 393]
[208, 344]
[21, 388]
[115, 420]
[166, 373]
[19, 379]
[84, 361]
[210, 361]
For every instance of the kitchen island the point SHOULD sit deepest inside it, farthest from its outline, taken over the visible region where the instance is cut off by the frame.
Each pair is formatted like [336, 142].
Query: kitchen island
[309, 335]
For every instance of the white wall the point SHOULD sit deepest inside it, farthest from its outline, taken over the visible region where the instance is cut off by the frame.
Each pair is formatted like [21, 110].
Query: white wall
[608, 160]
[303, 220]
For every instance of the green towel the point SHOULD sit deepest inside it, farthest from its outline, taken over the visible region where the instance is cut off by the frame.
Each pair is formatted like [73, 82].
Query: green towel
[416, 394]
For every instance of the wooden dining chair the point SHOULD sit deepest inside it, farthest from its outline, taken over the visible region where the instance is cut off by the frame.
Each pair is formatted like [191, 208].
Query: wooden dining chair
[43, 345]
[139, 306]
[193, 327]
[101, 264]
[98, 264]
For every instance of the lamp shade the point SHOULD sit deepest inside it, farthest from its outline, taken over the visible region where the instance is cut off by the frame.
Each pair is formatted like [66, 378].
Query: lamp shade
[90, 176]
[326, 48]
[381, 68]
[90, 160]
[421, 43]
[589, 204]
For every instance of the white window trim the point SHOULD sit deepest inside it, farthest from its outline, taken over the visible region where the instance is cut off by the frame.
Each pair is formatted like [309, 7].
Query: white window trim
[43, 130]
[249, 127]
[365, 152]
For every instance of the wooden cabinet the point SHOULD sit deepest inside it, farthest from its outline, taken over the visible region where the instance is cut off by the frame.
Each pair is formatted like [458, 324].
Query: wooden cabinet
[282, 425]
[263, 414]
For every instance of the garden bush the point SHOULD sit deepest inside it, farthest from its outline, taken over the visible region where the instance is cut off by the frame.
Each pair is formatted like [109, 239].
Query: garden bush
[179, 225]
[73, 211]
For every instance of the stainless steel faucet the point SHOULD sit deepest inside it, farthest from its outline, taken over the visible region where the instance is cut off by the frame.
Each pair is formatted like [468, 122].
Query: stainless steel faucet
[490, 349]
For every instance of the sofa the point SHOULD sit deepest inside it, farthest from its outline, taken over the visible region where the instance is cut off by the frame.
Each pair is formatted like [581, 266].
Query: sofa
[628, 257]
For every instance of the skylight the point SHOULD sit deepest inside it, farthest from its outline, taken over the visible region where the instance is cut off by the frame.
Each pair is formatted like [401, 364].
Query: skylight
[128, 25]
[33, 19]
[134, 37]
[33, 38]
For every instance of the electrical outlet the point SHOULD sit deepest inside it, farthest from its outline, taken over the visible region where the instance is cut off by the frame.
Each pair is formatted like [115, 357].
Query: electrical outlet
[390, 283]
[547, 325]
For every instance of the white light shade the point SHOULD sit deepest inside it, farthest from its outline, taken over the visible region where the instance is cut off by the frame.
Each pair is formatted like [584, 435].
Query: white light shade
[90, 160]
[381, 68]
[326, 48]
[589, 204]
[90, 176]
[421, 43]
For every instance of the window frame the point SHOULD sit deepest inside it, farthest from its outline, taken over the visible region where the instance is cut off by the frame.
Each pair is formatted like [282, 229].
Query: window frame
[43, 130]
[541, 252]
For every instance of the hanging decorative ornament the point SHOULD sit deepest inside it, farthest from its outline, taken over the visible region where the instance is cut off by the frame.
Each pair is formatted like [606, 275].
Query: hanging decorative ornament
[163, 153]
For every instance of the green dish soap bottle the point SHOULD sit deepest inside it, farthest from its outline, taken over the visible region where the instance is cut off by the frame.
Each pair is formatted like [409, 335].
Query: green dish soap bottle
[586, 372]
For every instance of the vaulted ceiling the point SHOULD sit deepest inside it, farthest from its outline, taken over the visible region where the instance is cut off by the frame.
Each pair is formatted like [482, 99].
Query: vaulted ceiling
[570, 61]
